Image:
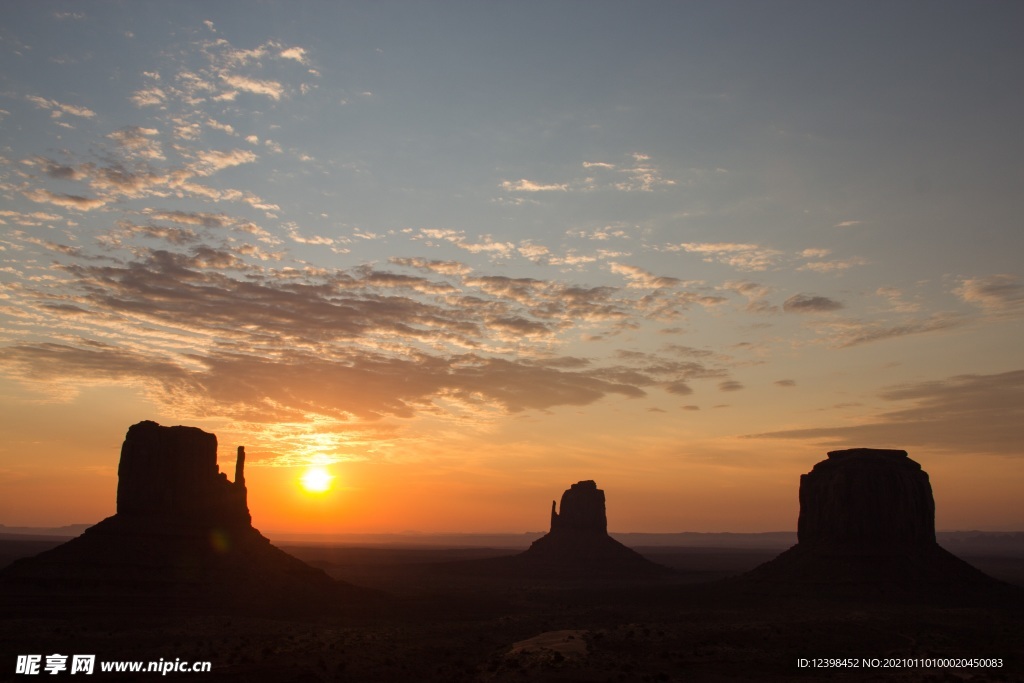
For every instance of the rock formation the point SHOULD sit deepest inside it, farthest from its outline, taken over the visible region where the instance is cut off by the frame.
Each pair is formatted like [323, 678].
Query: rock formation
[583, 511]
[172, 472]
[182, 538]
[578, 543]
[866, 496]
[867, 528]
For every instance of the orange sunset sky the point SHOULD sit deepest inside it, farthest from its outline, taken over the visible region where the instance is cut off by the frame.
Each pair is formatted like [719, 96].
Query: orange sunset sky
[462, 255]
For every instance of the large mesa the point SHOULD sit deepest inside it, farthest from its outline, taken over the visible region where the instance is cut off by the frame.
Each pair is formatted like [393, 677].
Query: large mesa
[866, 496]
[172, 473]
[867, 528]
[182, 538]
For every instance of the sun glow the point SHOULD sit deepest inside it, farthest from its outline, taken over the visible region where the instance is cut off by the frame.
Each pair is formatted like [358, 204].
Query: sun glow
[316, 480]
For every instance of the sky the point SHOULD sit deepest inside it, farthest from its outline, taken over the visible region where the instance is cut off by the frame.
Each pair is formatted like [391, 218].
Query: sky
[462, 255]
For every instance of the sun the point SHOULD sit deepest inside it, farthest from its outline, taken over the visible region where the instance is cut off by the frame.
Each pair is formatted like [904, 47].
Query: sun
[316, 480]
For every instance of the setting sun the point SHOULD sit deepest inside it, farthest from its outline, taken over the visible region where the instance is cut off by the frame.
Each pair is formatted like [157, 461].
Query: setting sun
[316, 480]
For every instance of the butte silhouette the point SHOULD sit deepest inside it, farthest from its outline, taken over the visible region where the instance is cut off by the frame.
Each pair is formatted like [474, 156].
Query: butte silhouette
[182, 538]
[867, 529]
[578, 544]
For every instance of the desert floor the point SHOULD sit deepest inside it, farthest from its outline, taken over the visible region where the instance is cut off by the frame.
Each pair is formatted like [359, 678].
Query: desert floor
[445, 618]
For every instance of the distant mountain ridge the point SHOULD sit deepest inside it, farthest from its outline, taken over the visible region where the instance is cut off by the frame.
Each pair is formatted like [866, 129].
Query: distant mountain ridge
[66, 530]
[994, 543]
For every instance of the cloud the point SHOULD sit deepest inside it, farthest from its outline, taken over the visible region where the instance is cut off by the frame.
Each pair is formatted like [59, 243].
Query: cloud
[129, 171]
[755, 293]
[534, 252]
[897, 303]
[57, 108]
[211, 161]
[42, 365]
[785, 383]
[806, 303]
[833, 266]
[645, 369]
[639, 175]
[687, 351]
[751, 257]
[296, 53]
[601, 234]
[965, 414]
[207, 220]
[642, 176]
[993, 293]
[678, 388]
[206, 331]
[730, 385]
[847, 224]
[69, 201]
[458, 238]
[138, 141]
[151, 96]
[640, 278]
[847, 333]
[524, 185]
[176, 236]
[296, 386]
[433, 266]
[36, 218]
[296, 236]
[272, 89]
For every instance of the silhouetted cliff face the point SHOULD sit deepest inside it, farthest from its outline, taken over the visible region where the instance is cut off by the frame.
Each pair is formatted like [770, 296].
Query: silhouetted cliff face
[578, 544]
[171, 472]
[866, 496]
[182, 539]
[582, 510]
[867, 531]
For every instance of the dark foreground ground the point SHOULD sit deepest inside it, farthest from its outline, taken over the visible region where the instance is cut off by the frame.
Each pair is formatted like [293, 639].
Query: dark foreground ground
[447, 618]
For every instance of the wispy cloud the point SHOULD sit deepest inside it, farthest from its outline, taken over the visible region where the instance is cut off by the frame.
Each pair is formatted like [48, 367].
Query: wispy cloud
[847, 333]
[58, 109]
[524, 185]
[755, 293]
[1000, 294]
[834, 266]
[433, 266]
[639, 175]
[751, 257]
[640, 278]
[211, 161]
[961, 414]
[807, 303]
[68, 201]
[272, 89]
